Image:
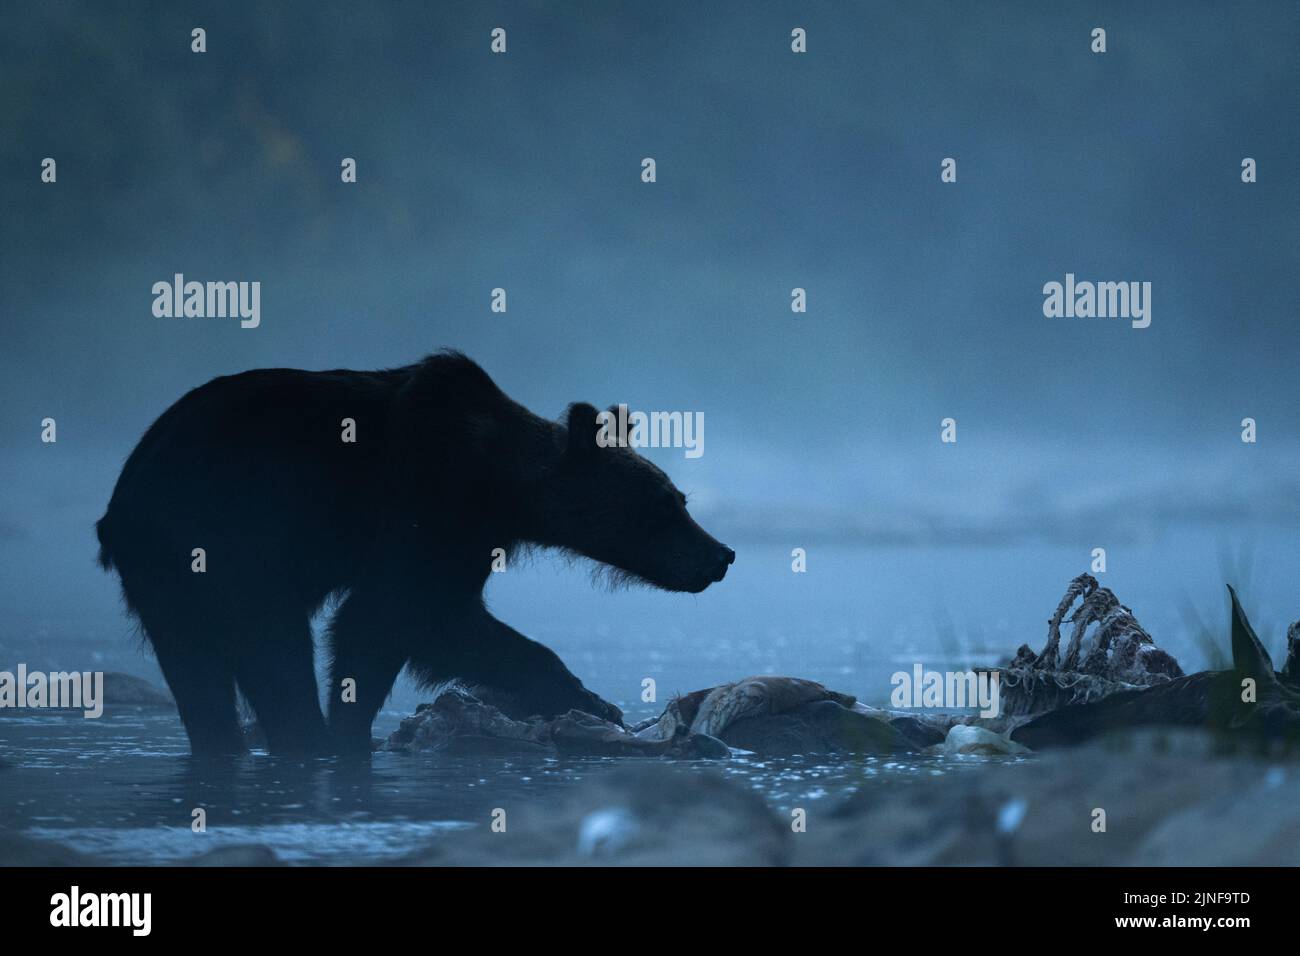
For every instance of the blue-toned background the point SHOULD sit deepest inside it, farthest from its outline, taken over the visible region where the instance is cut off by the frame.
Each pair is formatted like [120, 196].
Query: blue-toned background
[774, 171]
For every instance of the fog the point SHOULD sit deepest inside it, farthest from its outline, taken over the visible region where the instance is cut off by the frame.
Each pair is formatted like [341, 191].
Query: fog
[774, 171]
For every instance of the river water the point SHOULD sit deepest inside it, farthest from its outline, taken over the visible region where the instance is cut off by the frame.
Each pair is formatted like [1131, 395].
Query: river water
[123, 787]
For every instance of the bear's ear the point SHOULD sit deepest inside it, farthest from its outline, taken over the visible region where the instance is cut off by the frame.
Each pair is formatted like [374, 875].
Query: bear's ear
[581, 422]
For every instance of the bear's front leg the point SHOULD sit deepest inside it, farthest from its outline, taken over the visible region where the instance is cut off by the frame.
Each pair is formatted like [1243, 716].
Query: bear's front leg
[368, 643]
[479, 649]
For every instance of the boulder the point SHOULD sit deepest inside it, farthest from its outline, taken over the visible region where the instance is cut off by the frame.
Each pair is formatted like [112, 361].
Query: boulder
[127, 689]
[646, 813]
[1166, 797]
[766, 715]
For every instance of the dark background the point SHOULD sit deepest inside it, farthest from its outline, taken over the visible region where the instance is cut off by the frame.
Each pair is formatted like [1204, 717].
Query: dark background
[774, 171]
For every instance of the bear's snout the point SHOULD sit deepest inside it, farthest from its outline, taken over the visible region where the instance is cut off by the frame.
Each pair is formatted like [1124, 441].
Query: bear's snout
[725, 559]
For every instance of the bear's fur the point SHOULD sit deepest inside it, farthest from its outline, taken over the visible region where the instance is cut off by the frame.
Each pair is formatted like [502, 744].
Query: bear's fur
[400, 524]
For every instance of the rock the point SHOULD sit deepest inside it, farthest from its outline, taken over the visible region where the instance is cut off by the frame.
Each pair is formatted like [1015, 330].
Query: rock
[754, 698]
[456, 715]
[1232, 829]
[638, 814]
[126, 689]
[766, 715]
[119, 690]
[1290, 672]
[24, 851]
[788, 715]
[458, 722]
[825, 727]
[1169, 797]
[969, 739]
[241, 854]
[607, 832]
[917, 732]
[579, 734]
[19, 850]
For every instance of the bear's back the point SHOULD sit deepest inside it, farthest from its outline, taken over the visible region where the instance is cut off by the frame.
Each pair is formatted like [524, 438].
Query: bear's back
[282, 449]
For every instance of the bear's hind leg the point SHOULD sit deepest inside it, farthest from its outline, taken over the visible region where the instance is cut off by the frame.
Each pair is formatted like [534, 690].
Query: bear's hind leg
[203, 685]
[190, 646]
[276, 672]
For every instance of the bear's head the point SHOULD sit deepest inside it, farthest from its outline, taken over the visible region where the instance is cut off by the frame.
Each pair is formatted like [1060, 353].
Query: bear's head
[613, 506]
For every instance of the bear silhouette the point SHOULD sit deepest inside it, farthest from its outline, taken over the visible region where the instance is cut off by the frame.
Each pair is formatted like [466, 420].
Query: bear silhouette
[397, 525]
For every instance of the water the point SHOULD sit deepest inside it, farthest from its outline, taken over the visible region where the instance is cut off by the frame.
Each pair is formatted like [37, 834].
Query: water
[123, 787]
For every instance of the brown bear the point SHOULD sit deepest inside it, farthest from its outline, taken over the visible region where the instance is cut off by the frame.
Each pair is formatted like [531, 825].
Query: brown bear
[258, 497]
